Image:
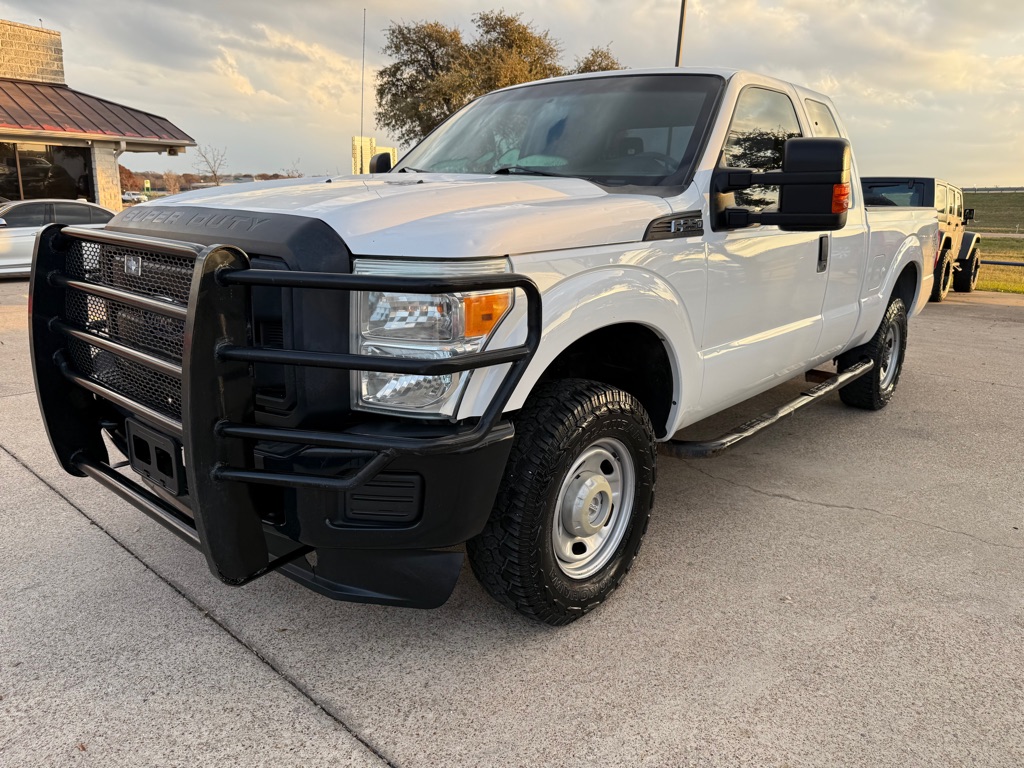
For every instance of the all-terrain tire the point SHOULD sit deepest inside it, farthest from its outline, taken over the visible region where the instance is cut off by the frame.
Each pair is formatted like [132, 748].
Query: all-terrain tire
[943, 276]
[966, 278]
[887, 348]
[515, 556]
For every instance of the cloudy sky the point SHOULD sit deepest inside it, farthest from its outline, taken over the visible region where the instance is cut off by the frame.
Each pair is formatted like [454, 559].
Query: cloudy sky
[926, 87]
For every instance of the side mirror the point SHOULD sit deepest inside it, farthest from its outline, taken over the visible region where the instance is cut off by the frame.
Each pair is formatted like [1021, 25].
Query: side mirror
[380, 163]
[3, 222]
[814, 182]
[968, 214]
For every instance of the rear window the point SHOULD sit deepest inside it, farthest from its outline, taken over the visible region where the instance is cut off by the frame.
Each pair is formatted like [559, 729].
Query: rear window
[823, 123]
[909, 193]
[99, 216]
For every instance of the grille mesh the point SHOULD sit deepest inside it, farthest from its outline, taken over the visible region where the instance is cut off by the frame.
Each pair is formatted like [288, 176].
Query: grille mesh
[138, 328]
[160, 275]
[159, 392]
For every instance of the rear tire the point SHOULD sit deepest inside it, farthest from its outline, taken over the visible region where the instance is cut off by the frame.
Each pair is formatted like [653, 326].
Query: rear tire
[887, 349]
[943, 276]
[574, 504]
[966, 278]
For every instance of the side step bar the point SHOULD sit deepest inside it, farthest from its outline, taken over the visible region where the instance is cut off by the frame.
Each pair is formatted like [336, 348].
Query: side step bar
[705, 449]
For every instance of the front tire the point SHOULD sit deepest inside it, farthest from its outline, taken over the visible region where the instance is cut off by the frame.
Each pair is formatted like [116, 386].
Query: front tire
[574, 504]
[966, 278]
[943, 276]
[887, 348]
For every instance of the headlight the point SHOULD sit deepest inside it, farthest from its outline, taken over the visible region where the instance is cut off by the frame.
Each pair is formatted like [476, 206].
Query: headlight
[426, 326]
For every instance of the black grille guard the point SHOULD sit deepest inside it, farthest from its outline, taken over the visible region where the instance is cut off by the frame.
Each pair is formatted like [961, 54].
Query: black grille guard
[218, 426]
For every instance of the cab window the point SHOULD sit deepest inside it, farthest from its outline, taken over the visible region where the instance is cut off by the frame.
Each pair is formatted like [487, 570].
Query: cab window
[99, 216]
[959, 204]
[761, 124]
[823, 123]
[940, 198]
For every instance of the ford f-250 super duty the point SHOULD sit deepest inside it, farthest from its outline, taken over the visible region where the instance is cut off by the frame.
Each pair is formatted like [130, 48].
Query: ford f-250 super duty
[342, 379]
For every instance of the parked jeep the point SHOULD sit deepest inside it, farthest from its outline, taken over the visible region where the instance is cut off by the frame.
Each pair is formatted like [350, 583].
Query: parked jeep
[958, 256]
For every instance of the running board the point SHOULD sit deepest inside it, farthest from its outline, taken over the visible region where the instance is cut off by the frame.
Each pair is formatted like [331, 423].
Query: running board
[705, 449]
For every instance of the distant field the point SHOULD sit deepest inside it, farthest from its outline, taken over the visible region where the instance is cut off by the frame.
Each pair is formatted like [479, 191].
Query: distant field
[996, 211]
[1005, 279]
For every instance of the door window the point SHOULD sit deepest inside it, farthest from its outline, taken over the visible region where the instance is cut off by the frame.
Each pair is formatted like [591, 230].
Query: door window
[30, 215]
[959, 204]
[762, 123]
[940, 198]
[71, 213]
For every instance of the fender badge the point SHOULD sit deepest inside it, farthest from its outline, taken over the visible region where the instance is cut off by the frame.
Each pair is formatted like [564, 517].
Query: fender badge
[133, 266]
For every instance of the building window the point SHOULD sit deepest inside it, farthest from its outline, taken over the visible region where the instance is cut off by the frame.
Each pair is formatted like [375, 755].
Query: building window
[35, 171]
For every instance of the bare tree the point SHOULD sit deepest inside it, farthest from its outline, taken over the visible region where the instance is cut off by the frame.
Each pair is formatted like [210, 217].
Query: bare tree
[293, 172]
[172, 182]
[211, 161]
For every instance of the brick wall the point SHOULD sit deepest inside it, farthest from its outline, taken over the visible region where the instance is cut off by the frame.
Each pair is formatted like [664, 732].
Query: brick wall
[30, 53]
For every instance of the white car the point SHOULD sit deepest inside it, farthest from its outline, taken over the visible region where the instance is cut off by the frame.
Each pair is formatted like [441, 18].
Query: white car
[133, 197]
[20, 221]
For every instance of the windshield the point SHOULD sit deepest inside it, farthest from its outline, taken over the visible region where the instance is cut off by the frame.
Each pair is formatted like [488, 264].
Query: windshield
[629, 129]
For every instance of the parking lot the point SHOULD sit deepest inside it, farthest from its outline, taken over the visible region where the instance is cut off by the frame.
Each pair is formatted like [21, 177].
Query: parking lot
[845, 589]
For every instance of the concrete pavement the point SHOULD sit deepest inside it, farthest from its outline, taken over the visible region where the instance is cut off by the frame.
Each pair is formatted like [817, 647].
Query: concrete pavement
[843, 590]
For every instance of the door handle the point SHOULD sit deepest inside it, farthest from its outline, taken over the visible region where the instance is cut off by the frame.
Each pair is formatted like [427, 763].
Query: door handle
[823, 242]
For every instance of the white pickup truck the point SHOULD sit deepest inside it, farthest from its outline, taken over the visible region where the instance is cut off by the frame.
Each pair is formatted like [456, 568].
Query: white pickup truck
[341, 379]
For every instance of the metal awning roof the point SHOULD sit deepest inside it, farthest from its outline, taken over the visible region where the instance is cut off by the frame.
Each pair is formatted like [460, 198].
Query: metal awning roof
[44, 110]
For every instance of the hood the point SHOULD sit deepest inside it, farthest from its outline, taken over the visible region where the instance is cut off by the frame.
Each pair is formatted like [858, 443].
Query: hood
[442, 215]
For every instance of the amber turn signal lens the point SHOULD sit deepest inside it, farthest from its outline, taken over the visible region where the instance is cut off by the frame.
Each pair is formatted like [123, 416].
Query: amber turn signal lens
[840, 197]
[484, 310]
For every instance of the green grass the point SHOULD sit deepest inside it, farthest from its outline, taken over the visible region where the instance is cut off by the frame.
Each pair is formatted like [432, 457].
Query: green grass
[996, 211]
[1003, 279]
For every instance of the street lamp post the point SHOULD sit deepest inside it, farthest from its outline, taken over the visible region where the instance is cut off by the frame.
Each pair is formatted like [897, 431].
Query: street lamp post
[679, 45]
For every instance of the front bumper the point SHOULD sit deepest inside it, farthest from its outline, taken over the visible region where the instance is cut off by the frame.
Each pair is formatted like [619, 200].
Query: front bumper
[254, 498]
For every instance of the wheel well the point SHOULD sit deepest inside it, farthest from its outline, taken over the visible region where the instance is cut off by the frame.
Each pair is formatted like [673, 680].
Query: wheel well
[907, 285]
[630, 357]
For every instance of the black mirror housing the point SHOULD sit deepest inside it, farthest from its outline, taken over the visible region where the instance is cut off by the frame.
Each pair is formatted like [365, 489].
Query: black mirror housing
[380, 163]
[815, 188]
[815, 207]
[968, 214]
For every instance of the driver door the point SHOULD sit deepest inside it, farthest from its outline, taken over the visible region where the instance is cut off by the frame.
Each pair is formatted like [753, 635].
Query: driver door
[766, 287]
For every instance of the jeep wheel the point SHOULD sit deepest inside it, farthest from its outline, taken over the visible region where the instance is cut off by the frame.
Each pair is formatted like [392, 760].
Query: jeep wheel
[966, 278]
[887, 348]
[574, 504]
[943, 276]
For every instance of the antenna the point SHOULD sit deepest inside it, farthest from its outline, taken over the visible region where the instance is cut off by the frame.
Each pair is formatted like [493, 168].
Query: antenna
[362, 72]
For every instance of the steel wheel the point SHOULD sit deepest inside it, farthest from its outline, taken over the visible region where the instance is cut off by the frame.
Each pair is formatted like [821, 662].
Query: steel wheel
[890, 357]
[574, 503]
[593, 509]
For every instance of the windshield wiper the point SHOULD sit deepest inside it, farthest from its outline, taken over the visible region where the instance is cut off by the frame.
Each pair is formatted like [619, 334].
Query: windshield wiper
[509, 169]
[407, 169]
